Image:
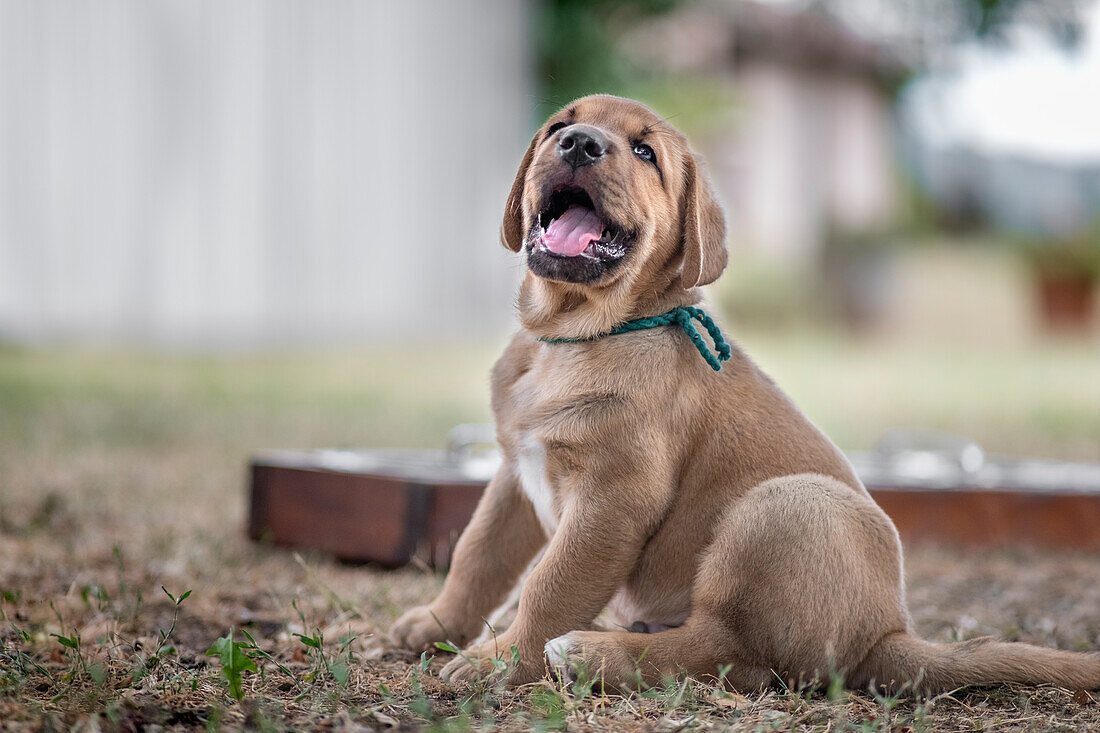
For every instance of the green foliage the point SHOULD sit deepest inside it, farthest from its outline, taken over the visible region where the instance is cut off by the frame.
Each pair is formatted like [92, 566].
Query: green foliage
[256, 651]
[335, 666]
[991, 18]
[146, 664]
[548, 709]
[313, 642]
[1070, 256]
[176, 601]
[78, 664]
[579, 51]
[235, 661]
[577, 46]
[71, 642]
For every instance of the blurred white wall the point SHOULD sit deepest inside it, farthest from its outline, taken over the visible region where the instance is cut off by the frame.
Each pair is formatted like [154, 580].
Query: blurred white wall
[247, 173]
[809, 149]
[812, 151]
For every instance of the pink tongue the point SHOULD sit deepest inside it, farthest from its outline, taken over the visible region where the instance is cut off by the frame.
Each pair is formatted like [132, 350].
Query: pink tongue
[572, 232]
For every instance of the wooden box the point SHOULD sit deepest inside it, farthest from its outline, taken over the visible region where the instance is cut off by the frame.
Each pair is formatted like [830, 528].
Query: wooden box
[395, 506]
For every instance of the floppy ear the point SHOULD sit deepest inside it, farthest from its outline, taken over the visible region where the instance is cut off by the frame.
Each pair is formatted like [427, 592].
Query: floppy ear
[704, 229]
[511, 231]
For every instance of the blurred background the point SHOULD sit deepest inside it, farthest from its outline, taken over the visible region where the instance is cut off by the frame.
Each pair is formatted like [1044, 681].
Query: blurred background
[257, 224]
[229, 226]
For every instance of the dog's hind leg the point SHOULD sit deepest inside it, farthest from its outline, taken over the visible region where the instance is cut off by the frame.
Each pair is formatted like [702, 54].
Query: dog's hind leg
[804, 574]
[621, 660]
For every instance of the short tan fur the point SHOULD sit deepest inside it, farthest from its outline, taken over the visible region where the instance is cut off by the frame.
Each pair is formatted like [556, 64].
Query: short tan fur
[701, 506]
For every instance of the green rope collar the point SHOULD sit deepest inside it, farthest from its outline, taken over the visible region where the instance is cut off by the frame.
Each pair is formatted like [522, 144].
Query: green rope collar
[683, 317]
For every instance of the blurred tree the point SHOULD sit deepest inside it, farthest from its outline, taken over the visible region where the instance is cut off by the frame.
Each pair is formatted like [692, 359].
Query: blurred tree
[923, 32]
[578, 51]
[577, 46]
[990, 18]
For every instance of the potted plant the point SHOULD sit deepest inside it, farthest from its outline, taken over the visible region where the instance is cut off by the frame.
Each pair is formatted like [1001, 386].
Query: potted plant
[1065, 273]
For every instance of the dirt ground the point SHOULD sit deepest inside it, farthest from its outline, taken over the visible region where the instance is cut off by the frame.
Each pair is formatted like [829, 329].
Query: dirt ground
[123, 476]
[111, 605]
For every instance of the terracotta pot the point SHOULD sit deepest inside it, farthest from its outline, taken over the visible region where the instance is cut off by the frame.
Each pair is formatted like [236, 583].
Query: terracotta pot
[1066, 300]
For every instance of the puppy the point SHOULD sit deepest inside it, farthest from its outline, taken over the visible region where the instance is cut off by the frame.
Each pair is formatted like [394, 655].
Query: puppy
[717, 525]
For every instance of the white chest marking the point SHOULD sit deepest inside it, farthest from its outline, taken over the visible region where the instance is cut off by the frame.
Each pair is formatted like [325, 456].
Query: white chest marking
[532, 476]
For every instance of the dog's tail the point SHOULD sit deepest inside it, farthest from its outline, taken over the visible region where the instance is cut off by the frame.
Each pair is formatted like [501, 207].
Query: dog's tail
[901, 658]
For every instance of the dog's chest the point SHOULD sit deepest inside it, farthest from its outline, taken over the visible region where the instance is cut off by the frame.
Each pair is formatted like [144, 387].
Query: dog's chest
[531, 461]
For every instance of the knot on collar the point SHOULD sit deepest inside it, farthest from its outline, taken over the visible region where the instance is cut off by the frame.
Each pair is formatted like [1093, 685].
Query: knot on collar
[684, 317]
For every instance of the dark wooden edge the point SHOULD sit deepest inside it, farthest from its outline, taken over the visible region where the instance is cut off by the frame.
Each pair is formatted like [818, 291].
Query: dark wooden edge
[994, 519]
[417, 529]
[259, 495]
[416, 518]
[436, 514]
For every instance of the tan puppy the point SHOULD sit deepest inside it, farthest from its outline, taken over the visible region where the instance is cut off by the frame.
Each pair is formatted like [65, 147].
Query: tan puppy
[699, 505]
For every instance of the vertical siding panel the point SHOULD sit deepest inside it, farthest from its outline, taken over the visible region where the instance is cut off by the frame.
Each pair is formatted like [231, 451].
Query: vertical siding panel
[210, 173]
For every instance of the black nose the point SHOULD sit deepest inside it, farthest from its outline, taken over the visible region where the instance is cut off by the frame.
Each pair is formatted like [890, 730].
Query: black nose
[581, 145]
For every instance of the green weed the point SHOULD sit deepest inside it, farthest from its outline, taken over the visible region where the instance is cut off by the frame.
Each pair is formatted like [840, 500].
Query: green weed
[235, 662]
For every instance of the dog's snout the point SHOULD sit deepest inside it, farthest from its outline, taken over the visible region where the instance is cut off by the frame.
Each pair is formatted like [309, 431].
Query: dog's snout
[581, 145]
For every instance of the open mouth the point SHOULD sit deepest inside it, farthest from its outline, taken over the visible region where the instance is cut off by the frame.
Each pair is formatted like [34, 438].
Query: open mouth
[570, 227]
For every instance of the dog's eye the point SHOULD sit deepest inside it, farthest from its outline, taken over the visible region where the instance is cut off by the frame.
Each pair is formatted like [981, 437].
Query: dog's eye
[644, 152]
[554, 128]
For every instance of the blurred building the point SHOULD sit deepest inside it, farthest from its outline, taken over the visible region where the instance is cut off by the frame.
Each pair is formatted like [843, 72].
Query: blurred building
[1009, 137]
[812, 147]
[1018, 193]
[257, 172]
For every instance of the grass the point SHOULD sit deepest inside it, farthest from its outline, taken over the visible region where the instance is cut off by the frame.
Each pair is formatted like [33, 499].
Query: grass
[130, 597]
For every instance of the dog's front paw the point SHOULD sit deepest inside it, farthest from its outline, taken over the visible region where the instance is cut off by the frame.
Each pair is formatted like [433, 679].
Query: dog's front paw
[471, 665]
[592, 655]
[563, 655]
[421, 627]
[501, 658]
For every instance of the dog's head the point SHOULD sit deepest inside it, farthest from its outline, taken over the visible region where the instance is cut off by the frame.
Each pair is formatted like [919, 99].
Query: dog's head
[608, 196]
